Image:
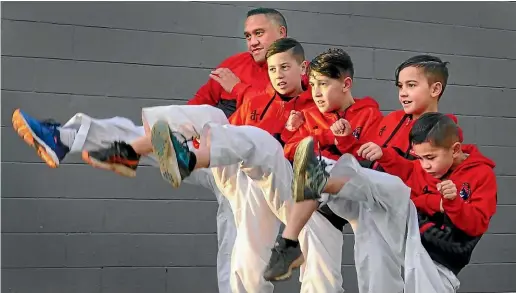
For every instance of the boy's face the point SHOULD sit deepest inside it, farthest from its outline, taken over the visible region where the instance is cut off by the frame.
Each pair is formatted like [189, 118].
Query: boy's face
[417, 96]
[436, 161]
[329, 93]
[260, 32]
[285, 73]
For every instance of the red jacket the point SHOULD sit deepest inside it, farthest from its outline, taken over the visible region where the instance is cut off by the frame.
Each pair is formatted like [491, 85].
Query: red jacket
[270, 111]
[363, 116]
[254, 79]
[394, 129]
[475, 179]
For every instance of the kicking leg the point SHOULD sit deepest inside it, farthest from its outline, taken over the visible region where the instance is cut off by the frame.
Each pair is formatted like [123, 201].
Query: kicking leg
[53, 141]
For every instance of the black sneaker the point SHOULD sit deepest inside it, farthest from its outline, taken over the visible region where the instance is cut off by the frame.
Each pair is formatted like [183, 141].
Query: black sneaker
[120, 157]
[283, 260]
[310, 176]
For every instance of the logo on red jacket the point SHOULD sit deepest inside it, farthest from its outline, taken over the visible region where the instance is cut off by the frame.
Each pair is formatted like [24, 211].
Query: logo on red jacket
[356, 132]
[382, 130]
[254, 115]
[465, 191]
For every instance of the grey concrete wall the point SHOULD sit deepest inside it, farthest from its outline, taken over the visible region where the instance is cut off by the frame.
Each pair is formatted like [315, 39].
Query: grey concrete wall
[76, 229]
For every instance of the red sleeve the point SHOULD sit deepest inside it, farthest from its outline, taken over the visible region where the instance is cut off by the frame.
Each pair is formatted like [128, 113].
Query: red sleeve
[286, 135]
[291, 145]
[429, 204]
[244, 92]
[396, 165]
[368, 123]
[208, 94]
[472, 216]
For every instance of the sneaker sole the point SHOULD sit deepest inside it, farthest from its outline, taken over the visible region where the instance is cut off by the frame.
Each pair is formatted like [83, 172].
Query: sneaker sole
[21, 126]
[164, 151]
[294, 265]
[300, 164]
[117, 168]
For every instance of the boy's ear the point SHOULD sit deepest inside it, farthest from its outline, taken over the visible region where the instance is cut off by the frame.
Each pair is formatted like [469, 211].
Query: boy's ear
[304, 67]
[436, 89]
[346, 85]
[456, 148]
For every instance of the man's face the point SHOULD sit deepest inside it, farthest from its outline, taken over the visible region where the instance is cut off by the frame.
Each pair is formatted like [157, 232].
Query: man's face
[260, 32]
[285, 73]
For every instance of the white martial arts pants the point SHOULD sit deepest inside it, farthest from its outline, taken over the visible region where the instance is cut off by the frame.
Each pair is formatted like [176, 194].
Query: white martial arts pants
[93, 134]
[250, 169]
[389, 256]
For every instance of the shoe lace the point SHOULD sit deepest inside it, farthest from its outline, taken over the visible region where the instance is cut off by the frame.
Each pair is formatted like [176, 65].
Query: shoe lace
[317, 172]
[278, 252]
[184, 141]
[50, 123]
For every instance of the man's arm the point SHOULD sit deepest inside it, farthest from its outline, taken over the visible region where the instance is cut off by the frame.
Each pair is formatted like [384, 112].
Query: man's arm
[208, 94]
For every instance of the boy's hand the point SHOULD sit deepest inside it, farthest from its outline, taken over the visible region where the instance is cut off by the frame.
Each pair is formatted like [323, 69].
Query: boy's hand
[370, 151]
[441, 206]
[448, 189]
[295, 120]
[226, 78]
[341, 127]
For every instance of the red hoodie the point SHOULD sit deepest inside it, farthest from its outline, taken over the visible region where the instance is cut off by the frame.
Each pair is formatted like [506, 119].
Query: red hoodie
[253, 78]
[475, 179]
[363, 116]
[394, 129]
[270, 111]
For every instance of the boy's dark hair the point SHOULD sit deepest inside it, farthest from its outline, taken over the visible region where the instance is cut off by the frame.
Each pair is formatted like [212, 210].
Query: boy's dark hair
[284, 45]
[433, 67]
[333, 63]
[273, 14]
[438, 129]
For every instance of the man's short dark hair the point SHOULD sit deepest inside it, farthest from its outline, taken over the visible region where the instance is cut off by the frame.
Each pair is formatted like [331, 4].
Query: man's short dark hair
[435, 128]
[433, 67]
[333, 63]
[273, 14]
[284, 45]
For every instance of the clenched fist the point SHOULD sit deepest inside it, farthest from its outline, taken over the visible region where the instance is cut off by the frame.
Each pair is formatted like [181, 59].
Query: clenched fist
[448, 189]
[226, 78]
[370, 151]
[295, 120]
[341, 127]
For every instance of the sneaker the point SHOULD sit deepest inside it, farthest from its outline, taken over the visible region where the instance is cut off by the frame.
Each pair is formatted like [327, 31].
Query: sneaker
[283, 260]
[120, 157]
[310, 176]
[173, 154]
[43, 136]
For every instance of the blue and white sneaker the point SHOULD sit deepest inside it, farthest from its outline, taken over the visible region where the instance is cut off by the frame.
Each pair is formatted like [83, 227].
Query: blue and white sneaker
[173, 154]
[43, 136]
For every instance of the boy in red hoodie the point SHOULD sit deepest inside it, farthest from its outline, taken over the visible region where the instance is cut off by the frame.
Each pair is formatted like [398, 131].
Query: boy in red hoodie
[339, 124]
[421, 81]
[453, 187]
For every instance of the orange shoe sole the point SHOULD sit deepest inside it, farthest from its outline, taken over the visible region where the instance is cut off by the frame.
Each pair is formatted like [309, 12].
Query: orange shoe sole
[22, 128]
[117, 168]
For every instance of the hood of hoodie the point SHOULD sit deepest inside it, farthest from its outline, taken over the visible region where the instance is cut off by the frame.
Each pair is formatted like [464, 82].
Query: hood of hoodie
[475, 158]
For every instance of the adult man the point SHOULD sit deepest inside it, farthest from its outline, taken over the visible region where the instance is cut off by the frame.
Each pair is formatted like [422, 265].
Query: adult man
[235, 76]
